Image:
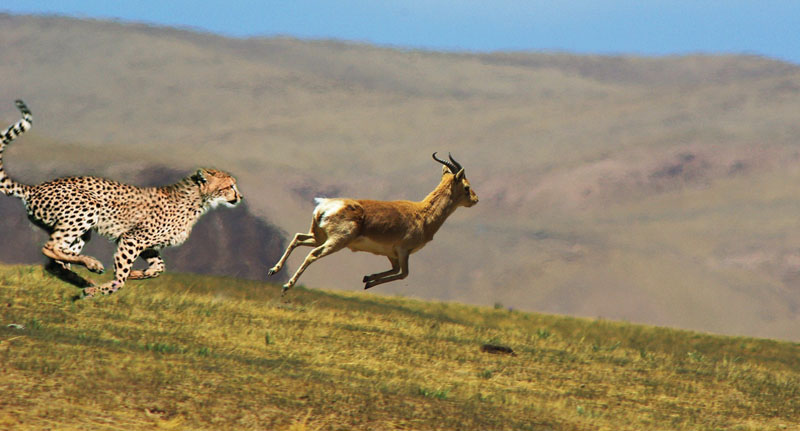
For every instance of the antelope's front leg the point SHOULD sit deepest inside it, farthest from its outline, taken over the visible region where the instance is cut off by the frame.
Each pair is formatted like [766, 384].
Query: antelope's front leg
[155, 265]
[395, 268]
[380, 278]
[127, 251]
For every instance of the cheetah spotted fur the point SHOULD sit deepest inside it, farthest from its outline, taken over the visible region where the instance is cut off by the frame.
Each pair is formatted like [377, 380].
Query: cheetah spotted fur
[140, 220]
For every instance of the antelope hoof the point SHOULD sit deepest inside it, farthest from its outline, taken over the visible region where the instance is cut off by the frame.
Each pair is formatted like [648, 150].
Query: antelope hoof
[272, 271]
[286, 287]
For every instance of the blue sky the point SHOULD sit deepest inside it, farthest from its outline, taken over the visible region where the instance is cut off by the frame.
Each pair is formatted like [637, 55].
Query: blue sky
[647, 27]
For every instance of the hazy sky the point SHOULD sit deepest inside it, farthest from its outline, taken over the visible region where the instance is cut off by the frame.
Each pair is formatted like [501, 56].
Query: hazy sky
[650, 27]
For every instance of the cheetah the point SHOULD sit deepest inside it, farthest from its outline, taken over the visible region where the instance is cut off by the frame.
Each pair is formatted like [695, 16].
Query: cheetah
[141, 220]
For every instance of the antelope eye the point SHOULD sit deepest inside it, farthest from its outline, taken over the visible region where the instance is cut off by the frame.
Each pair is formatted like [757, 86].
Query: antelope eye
[466, 189]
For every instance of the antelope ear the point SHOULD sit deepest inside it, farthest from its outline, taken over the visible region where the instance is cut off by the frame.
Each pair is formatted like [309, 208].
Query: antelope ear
[460, 175]
[200, 176]
[445, 170]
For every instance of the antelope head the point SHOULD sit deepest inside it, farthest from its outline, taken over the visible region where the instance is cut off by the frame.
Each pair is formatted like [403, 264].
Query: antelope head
[452, 171]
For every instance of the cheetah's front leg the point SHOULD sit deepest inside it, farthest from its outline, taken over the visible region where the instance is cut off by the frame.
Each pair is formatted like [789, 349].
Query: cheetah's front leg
[127, 251]
[155, 266]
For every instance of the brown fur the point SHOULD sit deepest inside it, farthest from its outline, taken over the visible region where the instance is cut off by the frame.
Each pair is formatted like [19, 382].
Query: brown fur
[394, 229]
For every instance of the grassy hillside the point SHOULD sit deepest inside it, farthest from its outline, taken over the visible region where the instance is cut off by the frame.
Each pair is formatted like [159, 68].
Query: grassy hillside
[656, 190]
[193, 352]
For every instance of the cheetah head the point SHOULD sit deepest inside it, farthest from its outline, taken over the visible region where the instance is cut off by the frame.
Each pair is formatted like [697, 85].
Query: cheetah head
[217, 187]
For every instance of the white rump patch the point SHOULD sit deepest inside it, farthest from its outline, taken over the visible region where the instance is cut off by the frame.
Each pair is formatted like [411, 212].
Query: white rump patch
[326, 207]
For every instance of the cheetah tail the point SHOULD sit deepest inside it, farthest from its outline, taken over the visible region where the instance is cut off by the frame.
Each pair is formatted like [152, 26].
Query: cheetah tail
[7, 185]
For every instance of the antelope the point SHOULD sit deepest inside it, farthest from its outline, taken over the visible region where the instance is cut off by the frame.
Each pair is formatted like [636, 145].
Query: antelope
[394, 229]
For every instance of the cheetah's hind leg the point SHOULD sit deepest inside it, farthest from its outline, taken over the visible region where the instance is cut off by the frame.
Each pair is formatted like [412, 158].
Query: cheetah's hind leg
[62, 269]
[65, 239]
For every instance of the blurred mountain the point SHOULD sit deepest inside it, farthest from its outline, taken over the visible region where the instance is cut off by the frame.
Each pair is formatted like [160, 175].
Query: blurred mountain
[656, 190]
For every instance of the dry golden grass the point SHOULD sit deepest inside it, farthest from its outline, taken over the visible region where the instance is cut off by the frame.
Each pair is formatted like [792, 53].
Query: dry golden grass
[191, 352]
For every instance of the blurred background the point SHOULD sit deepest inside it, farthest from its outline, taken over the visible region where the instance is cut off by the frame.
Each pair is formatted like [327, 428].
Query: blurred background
[634, 162]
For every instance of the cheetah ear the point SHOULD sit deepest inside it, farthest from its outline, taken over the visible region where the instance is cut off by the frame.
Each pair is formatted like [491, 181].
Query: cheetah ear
[200, 177]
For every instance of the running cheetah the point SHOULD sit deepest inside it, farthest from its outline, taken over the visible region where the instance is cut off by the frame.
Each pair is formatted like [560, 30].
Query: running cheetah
[140, 220]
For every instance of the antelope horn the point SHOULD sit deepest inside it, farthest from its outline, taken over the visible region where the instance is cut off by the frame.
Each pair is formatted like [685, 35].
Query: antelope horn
[451, 166]
[455, 163]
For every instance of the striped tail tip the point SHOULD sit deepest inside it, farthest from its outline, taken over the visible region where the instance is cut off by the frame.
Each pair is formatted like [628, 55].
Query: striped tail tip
[24, 109]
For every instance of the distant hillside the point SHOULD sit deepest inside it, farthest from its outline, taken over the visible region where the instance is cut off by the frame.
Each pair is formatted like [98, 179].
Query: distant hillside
[657, 190]
[209, 353]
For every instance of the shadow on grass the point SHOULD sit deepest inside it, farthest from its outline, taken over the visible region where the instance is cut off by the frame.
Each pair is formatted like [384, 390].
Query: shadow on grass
[91, 341]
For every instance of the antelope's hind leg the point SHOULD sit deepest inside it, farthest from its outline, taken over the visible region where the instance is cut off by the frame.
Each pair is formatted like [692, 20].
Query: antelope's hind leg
[331, 245]
[305, 239]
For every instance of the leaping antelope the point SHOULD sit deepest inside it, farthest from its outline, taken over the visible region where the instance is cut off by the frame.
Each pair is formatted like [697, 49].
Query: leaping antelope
[394, 229]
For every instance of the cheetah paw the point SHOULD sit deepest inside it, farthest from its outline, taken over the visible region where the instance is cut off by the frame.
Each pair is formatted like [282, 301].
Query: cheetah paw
[88, 292]
[110, 287]
[95, 266]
